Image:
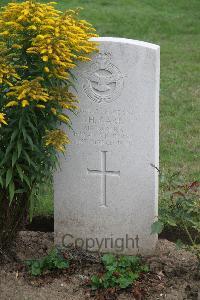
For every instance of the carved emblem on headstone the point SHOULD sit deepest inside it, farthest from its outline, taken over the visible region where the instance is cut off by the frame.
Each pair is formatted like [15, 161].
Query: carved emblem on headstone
[102, 82]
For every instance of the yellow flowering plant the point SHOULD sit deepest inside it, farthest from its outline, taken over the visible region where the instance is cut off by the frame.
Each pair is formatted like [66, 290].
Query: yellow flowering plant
[39, 46]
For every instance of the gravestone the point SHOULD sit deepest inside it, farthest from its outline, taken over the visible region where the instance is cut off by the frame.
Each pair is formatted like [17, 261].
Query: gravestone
[106, 190]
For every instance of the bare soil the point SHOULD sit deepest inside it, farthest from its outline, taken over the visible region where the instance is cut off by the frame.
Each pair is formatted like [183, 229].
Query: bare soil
[173, 275]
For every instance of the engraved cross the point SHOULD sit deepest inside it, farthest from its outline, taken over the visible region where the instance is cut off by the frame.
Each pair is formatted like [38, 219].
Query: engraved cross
[104, 173]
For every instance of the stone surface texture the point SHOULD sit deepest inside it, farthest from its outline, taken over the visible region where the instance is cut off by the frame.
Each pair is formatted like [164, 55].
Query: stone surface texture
[106, 190]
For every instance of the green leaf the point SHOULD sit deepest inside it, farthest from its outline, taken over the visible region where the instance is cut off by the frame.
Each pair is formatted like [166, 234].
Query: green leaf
[35, 148]
[14, 134]
[145, 269]
[9, 148]
[19, 148]
[20, 172]
[28, 182]
[157, 227]
[20, 122]
[112, 268]
[62, 264]
[11, 191]
[14, 158]
[126, 261]
[30, 141]
[108, 259]
[27, 157]
[125, 281]
[171, 222]
[29, 262]
[24, 133]
[1, 181]
[34, 129]
[35, 166]
[95, 282]
[8, 176]
[36, 269]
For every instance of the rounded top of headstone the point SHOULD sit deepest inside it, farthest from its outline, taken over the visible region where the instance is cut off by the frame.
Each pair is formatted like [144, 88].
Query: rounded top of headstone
[126, 41]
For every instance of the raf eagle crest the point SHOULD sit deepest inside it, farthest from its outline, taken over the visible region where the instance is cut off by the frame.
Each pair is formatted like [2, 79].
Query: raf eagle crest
[102, 82]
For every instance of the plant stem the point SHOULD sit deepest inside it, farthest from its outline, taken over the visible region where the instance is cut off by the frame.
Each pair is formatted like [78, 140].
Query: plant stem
[189, 235]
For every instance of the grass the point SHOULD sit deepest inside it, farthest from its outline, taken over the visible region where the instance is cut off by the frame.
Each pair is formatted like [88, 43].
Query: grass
[44, 205]
[174, 25]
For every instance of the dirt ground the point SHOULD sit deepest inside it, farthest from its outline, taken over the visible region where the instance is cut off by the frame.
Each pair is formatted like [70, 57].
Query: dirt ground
[173, 275]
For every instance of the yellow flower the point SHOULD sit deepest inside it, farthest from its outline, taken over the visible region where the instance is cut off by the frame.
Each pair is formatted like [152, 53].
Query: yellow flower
[2, 119]
[25, 103]
[16, 46]
[57, 40]
[83, 58]
[63, 118]
[36, 19]
[54, 111]
[45, 58]
[46, 27]
[21, 18]
[32, 27]
[7, 71]
[29, 91]
[39, 36]
[61, 36]
[68, 105]
[46, 69]
[4, 32]
[56, 138]
[11, 103]
[40, 106]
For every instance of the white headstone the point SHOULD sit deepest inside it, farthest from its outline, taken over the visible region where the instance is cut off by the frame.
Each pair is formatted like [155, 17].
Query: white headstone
[106, 191]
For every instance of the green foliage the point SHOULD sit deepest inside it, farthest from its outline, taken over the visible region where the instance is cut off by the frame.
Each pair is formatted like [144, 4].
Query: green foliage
[180, 207]
[44, 202]
[23, 159]
[157, 227]
[119, 272]
[180, 203]
[54, 260]
[25, 164]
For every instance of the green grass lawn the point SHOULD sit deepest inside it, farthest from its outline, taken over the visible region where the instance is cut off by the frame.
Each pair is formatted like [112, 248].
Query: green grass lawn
[175, 26]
